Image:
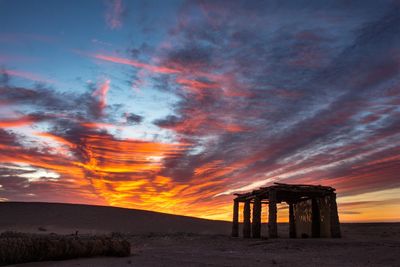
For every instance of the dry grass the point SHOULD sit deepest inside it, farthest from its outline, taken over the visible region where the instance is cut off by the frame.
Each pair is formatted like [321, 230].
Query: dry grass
[21, 247]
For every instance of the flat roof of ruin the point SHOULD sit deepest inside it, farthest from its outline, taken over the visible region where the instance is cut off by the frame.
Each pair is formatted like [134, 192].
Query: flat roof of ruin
[287, 192]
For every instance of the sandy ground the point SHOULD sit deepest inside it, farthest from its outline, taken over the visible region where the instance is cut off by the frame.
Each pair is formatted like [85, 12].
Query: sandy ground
[361, 245]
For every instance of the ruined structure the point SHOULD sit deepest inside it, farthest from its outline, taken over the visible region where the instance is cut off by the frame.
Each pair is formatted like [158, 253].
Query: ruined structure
[312, 210]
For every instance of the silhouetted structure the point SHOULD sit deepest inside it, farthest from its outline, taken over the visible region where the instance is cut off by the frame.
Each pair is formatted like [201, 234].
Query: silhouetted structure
[312, 210]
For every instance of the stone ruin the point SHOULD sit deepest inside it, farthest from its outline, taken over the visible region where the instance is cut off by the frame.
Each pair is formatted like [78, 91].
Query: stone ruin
[312, 211]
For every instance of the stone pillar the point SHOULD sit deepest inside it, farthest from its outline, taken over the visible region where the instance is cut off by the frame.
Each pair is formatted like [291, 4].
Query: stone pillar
[315, 218]
[272, 226]
[335, 224]
[246, 219]
[292, 221]
[235, 219]
[256, 224]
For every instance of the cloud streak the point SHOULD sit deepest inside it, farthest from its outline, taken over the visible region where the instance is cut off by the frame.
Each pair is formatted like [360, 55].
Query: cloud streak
[25, 75]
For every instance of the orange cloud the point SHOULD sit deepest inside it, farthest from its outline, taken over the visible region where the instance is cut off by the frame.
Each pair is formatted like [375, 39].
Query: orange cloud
[56, 138]
[125, 173]
[96, 125]
[17, 122]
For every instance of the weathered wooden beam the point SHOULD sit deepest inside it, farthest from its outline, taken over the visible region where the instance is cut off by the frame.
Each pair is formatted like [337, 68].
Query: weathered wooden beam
[272, 212]
[250, 197]
[315, 218]
[303, 192]
[335, 224]
[304, 186]
[292, 221]
[246, 220]
[256, 223]
[235, 219]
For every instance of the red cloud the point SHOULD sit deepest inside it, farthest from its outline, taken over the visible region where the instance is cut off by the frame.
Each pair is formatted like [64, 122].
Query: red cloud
[136, 64]
[102, 94]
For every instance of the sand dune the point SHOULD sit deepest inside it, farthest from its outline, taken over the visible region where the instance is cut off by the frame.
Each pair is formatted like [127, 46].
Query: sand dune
[68, 218]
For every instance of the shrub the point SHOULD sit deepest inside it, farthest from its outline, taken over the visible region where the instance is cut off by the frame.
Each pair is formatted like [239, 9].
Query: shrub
[20, 247]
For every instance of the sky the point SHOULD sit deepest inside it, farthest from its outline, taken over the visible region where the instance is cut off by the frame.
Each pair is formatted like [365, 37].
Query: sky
[173, 106]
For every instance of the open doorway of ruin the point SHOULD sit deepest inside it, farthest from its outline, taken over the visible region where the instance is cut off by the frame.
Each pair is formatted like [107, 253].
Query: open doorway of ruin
[282, 218]
[243, 219]
[313, 218]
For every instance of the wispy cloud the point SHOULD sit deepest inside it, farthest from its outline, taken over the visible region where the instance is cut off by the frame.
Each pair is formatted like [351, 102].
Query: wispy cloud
[25, 75]
[136, 64]
[114, 13]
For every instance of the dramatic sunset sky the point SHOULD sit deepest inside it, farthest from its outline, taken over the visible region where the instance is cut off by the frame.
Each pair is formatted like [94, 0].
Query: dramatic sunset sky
[173, 106]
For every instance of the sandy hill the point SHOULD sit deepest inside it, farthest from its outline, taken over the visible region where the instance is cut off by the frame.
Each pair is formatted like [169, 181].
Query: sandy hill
[68, 218]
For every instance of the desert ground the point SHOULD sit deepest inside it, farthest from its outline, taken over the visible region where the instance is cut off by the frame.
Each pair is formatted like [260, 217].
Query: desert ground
[167, 240]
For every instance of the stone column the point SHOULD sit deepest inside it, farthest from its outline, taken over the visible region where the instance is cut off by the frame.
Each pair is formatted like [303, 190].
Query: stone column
[315, 218]
[292, 221]
[256, 224]
[235, 219]
[335, 224]
[272, 226]
[246, 219]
